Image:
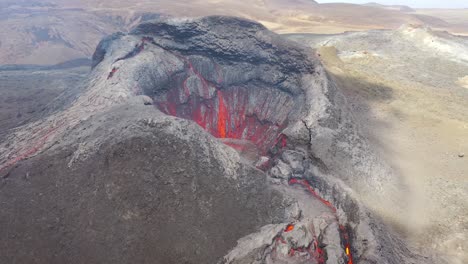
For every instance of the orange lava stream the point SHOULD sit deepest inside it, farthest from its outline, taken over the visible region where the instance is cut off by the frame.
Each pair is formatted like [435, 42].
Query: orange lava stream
[222, 116]
[343, 230]
[289, 228]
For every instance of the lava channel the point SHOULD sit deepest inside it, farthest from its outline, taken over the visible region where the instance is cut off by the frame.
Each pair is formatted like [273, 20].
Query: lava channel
[345, 239]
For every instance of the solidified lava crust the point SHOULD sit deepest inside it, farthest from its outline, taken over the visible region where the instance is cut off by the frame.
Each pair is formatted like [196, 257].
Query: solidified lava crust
[345, 239]
[33, 149]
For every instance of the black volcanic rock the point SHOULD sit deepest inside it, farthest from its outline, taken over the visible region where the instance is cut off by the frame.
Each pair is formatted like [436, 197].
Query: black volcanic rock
[158, 190]
[228, 38]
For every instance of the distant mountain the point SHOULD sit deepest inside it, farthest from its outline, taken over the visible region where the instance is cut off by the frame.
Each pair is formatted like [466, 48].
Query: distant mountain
[51, 32]
[402, 8]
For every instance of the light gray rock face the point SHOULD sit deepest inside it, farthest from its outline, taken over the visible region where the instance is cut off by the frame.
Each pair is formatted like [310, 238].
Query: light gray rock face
[281, 171]
[296, 160]
[115, 180]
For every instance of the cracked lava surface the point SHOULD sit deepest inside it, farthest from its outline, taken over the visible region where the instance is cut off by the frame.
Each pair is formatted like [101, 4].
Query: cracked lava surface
[242, 114]
[346, 243]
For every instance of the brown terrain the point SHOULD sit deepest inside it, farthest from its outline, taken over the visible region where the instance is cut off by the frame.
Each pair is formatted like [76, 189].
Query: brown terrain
[408, 88]
[50, 32]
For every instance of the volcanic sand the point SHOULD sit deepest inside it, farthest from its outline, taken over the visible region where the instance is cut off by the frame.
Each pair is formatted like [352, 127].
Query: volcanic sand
[422, 132]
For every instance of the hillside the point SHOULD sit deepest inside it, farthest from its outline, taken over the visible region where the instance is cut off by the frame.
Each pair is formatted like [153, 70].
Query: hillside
[408, 87]
[351, 119]
[207, 140]
[50, 32]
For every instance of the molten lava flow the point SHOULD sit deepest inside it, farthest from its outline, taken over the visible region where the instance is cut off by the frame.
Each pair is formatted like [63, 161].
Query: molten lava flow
[257, 115]
[312, 191]
[346, 243]
[236, 112]
[348, 253]
[289, 228]
[344, 234]
[222, 116]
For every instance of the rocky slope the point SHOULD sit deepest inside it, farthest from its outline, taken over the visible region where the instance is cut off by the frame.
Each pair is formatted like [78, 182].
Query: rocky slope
[158, 190]
[407, 87]
[28, 94]
[142, 165]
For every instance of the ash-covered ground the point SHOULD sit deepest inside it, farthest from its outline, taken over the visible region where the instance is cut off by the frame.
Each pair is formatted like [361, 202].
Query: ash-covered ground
[30, 93]
[407, 88]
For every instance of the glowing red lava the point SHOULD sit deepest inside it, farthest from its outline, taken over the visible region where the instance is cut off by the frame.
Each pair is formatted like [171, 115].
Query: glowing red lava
[312, 191]
[222, 116]
[236, 113]
[346, 242]
[344, 233]
[289, 228]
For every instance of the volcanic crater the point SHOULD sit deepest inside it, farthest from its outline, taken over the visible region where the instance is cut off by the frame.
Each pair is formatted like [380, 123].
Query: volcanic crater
[252, 112]
[246, 93]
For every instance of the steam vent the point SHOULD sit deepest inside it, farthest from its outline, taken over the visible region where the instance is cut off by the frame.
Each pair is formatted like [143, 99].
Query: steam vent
[208, 140]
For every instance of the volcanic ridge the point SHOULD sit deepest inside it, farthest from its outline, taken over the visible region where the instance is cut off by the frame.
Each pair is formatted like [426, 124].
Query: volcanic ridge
[207, 140]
